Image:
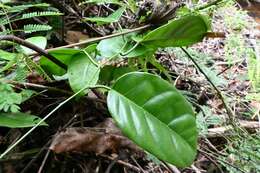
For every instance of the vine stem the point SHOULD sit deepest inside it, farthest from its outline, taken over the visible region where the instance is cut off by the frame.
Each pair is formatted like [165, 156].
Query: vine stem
[229, 112]
[47, 116]
[130, 50]
[38, 86]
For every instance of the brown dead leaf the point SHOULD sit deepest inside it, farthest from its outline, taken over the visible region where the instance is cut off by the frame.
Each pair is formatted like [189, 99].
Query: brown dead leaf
[75, 37]
[104, 137]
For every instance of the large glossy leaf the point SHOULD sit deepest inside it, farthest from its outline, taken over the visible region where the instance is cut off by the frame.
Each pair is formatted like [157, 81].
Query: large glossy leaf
[181, 32]
[82, 72]
[152, 113]
[19, 120]
[64, 55]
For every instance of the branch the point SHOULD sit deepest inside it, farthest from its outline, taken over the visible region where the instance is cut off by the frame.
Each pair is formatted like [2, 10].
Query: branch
[35, 48]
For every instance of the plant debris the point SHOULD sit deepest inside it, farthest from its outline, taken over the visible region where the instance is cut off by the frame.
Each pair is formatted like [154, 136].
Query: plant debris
[104, 137]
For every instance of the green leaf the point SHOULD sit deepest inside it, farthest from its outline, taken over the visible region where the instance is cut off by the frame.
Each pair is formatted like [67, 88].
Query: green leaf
[37, 41]
[7, 55]
[181, 32]
[110, 73]
[64, 55]
[82, 72]
[114, 17]
[152, 113]
[114, 47]
[19, 120]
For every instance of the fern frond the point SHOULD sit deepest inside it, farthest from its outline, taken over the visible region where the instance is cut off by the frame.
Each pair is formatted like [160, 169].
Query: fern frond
[30, 28]
[32, 65]
[4, 20]
[20, 8]
[39, 14]
[21, 73]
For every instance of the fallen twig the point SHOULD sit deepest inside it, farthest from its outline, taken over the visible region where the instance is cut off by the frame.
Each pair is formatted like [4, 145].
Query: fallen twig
[220, 131]
[121, 162]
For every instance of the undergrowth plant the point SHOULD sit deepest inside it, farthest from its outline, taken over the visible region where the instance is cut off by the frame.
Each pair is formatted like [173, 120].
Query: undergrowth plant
[16, 65]
[10, 14]
[148, 109]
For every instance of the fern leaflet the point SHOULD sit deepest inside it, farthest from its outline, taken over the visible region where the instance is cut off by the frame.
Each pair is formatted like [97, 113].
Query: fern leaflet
[35, 28]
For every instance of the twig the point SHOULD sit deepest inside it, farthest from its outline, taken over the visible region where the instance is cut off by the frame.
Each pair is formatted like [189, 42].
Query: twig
[170, 168]
[94, 40]
[213, 161]
[128, 165]
[110, 166]
[195, 168]
[220, 131]
[38, 86]
[44, 161]
[28, 166]
[207, 155]
[139, 166]
[33, 47]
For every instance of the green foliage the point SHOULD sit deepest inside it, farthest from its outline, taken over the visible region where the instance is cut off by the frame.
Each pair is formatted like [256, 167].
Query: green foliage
[152, 113]
[244, 153]
[235, 47]
[254, 70]
[14, 13]
[4, 20]
[148, 109]
[20, 8]
[7, 55]
[182, 32]
[114, 17]
[39, 41]
[117, 46]
[39, 14]
[64, 55]
[185, 31]
[19, 120]
[110, 73]
[206, 118]
[234, 18]
[9, 99]
[35, 28]
[82, 72]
